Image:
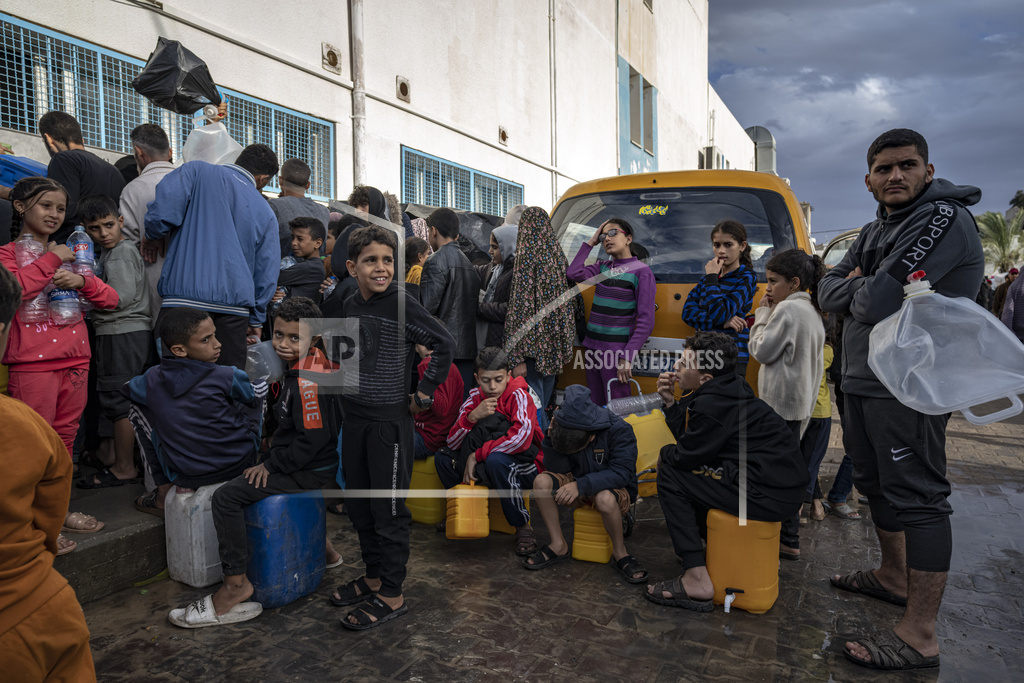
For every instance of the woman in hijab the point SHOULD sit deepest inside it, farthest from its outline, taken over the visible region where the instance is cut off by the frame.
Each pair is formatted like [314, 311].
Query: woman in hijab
[540, 326]
[497, 282]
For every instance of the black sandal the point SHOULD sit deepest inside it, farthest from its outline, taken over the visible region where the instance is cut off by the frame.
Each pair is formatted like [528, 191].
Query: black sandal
[889, 652]
[628, 566]
[353, 592]
[526, 542]
[679, 596]
[545, 557]
[376, 608]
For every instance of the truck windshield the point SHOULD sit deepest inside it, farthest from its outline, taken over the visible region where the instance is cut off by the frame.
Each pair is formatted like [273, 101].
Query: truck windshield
[674, 225]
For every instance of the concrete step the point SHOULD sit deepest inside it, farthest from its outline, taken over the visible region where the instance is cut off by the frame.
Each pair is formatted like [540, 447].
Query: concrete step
[130, 547]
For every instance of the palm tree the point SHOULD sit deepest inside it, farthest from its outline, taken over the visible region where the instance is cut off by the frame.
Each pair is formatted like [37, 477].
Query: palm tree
[1001, 240]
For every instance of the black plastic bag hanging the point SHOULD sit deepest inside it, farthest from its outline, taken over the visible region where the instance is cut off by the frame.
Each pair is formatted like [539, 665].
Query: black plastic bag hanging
[175, 78]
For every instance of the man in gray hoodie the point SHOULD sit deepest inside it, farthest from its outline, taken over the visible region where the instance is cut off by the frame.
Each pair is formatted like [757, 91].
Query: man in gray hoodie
[899, 454]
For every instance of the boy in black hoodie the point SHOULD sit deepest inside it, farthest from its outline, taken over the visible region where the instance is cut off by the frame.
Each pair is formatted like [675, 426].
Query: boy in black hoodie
[303, 456]
[377, 441]
[719, 425]
[589, 457]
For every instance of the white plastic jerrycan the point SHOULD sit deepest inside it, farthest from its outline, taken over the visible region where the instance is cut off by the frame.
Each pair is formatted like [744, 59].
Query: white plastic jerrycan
[210, 143]
[192, 549]
[938, 354]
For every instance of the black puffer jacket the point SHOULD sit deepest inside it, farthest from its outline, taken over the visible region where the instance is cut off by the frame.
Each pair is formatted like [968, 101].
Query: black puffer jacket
[495, 311]
[449, 288]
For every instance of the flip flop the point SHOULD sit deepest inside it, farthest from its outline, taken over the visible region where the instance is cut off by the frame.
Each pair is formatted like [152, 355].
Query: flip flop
[679, 596]
[105, 479]
[866, 583]
[545, 557]
[889, 652]
[336, 563]
[67, 547]
[201, 614]
[376, 608]
[147, 503]
[77, 522]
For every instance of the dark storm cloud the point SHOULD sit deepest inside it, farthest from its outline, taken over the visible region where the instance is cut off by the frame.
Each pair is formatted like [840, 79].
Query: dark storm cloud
[827, 77]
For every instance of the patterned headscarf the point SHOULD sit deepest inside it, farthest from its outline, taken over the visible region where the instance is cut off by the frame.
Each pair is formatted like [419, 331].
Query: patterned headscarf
[531, 328]
[420, 229]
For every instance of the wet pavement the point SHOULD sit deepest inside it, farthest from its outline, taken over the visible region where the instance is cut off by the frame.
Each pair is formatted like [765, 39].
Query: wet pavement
[476, 615]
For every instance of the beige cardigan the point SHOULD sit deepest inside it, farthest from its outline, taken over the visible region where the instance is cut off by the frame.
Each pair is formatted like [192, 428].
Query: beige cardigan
[789, 343]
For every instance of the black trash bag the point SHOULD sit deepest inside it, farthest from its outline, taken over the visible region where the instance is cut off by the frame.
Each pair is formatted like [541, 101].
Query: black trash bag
[174, 78]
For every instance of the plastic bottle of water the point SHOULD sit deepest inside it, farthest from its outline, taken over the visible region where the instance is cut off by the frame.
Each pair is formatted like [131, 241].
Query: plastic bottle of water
[286, 263]
[85, 259]
[63, 305]
[635, 405]
[330, 287]
[27, 250]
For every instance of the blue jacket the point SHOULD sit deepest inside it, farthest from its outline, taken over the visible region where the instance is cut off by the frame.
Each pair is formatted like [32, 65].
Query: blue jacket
[203, 418]
[223, 254]
[607, 462]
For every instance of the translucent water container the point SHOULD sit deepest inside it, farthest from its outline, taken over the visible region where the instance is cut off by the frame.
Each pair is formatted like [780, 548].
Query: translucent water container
[286, 535]
[263, 363]
[590, 541]
[743, 561]
[497, 515]
[939, 354]
[467, 512]
[192, 556]
[426, 509]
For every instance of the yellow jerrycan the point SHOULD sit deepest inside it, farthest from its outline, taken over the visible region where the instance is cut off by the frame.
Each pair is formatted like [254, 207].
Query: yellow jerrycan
[590, 541]
[430, 509]
[467, 512]
[743, 562]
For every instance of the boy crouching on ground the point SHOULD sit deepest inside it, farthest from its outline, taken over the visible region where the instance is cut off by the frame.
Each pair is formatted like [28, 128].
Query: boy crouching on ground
[496, 440]
[716, 423]
[377, 441]
[303, 456]
[589, 458]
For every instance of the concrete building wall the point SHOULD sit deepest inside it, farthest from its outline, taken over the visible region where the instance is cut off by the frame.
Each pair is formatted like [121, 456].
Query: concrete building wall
[473, 65]
[729, 136]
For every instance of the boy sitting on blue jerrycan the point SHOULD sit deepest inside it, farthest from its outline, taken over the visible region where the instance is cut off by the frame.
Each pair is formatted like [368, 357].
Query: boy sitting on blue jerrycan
[701, 471]
[303, 456]
[589, 458]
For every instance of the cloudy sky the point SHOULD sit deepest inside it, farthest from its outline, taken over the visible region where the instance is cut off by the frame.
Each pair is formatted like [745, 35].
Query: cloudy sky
[827, 76]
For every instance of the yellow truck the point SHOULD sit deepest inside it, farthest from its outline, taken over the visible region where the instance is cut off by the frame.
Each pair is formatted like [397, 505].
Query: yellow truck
[672, 214]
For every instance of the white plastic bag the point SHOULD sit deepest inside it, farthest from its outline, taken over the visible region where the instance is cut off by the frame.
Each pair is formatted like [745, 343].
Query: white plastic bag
[211, 143]
[938, 354]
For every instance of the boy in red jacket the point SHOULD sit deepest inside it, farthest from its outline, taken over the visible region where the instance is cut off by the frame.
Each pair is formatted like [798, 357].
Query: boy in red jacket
[496, 441]
[434, 423]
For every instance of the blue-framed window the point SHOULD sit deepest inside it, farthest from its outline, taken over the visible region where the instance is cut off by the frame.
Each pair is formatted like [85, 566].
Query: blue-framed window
[42, 70]
[427, 179]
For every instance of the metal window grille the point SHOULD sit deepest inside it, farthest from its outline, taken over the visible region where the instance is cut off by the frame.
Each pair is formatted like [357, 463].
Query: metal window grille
[433, 181]
[42, 70]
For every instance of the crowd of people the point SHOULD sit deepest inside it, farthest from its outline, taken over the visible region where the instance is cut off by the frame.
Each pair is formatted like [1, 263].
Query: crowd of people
[457, 362]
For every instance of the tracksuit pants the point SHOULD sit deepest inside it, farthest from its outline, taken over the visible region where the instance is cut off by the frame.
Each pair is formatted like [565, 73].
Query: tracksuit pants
[899, 463]
[59, 396]
[378, 456]
[501, 472]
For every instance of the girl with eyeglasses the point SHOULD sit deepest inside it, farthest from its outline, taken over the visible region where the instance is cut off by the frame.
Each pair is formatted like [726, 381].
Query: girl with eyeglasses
[622, 312]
